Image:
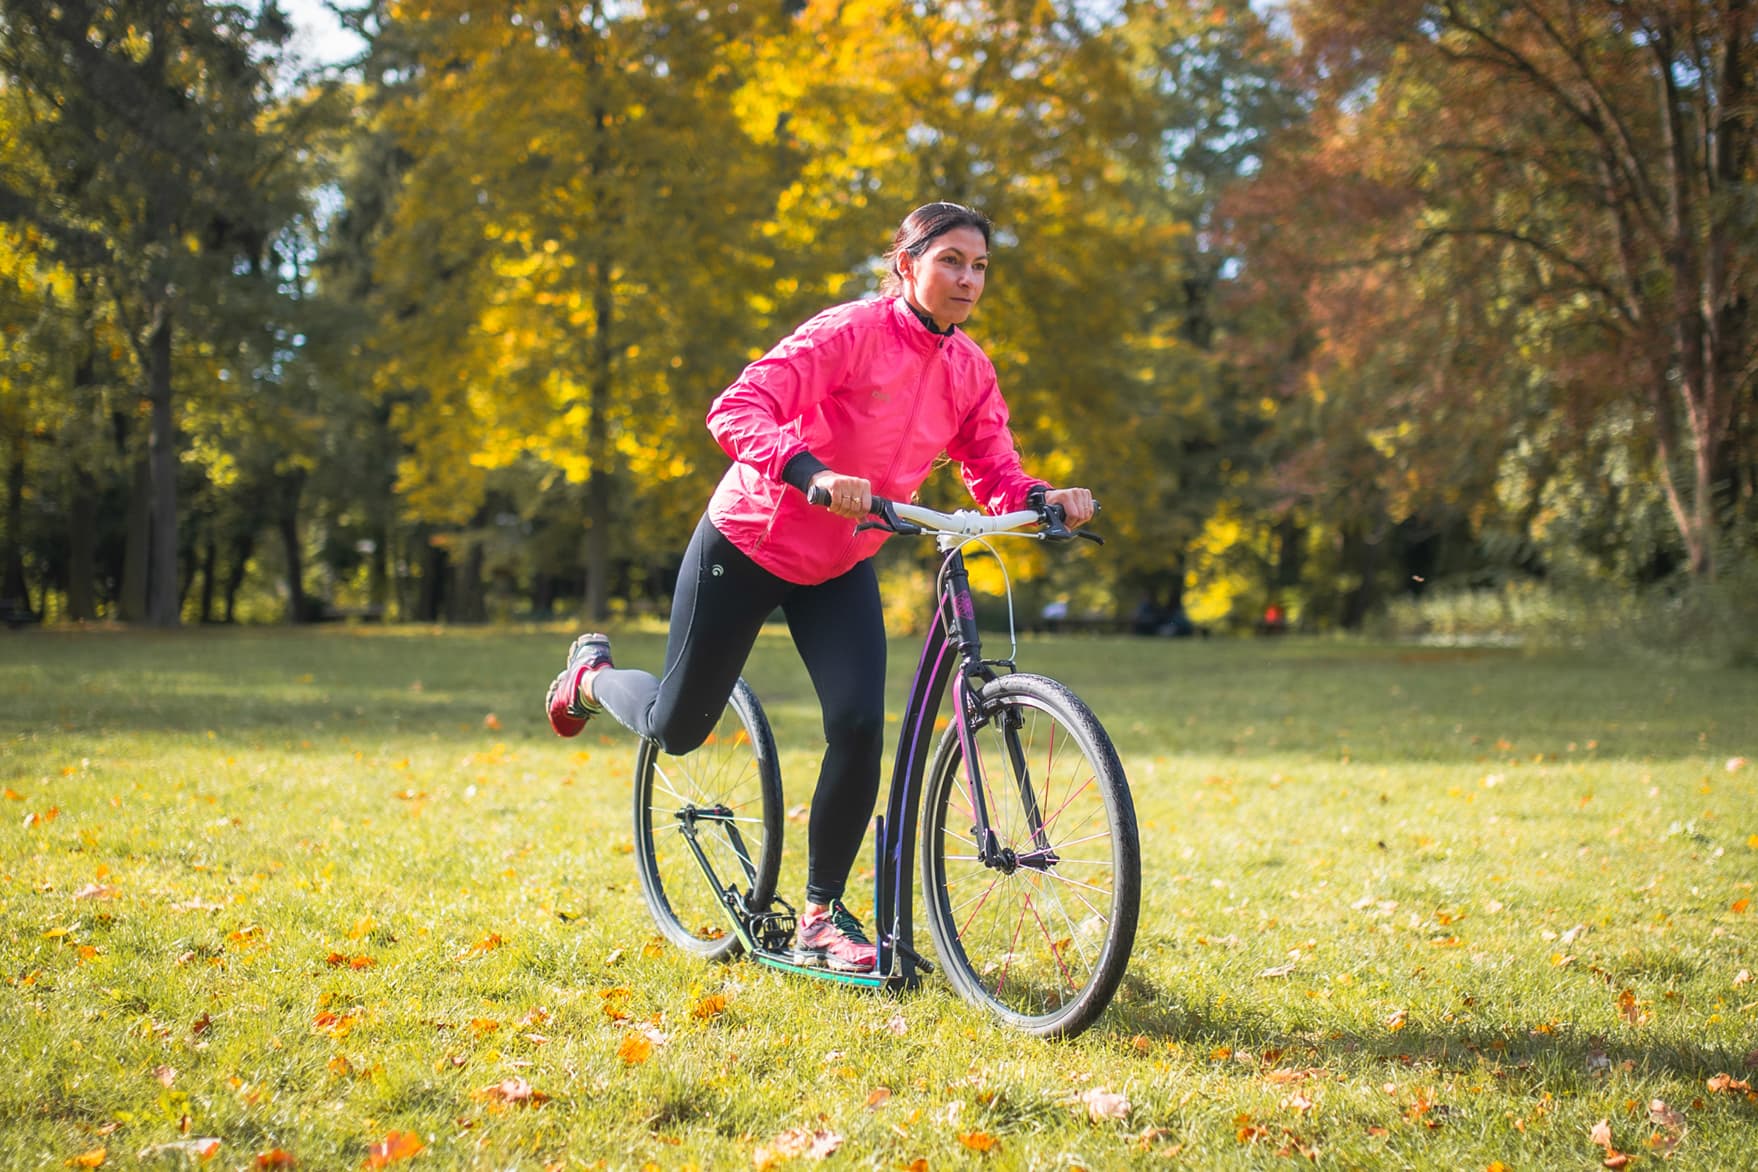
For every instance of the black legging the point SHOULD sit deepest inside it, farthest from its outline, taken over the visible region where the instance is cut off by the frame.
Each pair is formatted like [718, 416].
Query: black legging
[721, 601]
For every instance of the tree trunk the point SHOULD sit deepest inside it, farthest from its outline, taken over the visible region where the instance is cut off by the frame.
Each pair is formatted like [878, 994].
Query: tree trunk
[287, 524]
[597, 453]
[162, 592]
[435, 569]
[13, 593]
[467, 604]
[209, 556]
[131, 607]
[242, 548]
[82, 548]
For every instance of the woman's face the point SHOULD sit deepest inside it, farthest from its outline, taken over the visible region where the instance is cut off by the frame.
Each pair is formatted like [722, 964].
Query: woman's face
[946, 280]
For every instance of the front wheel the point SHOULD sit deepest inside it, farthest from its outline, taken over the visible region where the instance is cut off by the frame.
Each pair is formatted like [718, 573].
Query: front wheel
[1037, 924]
[726, 796]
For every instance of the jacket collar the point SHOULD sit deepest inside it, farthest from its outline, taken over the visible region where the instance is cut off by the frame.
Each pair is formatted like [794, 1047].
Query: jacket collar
[910, 323]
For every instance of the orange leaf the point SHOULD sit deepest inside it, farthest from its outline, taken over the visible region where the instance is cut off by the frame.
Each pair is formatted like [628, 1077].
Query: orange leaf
[275, 1158]
[635, 1050]
[1740, 905]
[92, 1159]
[978, 1141]
[712, 1005]
[512, 1090]
[482, 947]
[12, 794]
[397, 1145]
[1729, 1084]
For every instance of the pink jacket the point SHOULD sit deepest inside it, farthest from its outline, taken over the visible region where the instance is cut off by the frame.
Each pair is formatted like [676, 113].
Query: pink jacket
[872, 392]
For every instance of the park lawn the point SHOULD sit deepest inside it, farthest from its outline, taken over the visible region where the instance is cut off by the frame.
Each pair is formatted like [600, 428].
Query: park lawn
[328, 893]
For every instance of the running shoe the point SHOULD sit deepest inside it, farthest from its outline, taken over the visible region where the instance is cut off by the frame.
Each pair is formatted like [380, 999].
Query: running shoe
[567, 713]
[834, 939]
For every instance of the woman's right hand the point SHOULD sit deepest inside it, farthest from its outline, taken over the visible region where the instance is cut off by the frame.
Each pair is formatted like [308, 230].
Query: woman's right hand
[850, 496]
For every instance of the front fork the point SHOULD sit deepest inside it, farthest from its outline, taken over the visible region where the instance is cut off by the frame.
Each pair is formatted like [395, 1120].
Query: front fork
[991, 852]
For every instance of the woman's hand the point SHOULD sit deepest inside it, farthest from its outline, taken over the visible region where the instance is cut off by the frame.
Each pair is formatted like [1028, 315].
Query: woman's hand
[1077, 504]
[850, 496]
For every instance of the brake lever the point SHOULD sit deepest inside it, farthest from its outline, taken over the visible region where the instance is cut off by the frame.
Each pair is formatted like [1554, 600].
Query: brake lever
[1056, 525]
[888, 520]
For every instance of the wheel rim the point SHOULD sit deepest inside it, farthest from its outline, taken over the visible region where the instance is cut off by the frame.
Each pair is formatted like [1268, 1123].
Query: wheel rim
[726, 773]
[1032, 932]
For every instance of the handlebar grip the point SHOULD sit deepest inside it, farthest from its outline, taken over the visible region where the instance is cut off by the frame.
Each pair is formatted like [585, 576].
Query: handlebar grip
[817, 495]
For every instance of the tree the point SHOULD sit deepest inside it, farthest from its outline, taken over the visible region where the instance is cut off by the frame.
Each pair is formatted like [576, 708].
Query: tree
[1527, 239]
[151, 180]
[558, 260]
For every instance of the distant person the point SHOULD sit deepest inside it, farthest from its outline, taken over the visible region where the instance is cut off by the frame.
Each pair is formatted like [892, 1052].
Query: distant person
[862, 398]
[1054, 614]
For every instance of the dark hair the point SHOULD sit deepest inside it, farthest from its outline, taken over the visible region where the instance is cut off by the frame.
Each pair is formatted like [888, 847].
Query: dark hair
[920, 228]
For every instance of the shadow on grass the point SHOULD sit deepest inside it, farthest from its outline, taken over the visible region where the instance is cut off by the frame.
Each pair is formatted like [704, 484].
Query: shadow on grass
[1567, 1058]
[1223, 699]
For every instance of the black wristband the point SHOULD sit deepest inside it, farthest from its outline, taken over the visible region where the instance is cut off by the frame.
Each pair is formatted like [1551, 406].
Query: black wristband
[801, 468]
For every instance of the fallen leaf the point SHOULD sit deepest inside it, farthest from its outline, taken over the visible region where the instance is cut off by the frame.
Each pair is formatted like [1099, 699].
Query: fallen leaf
[1102, 1104]
[635, 1050]
[481, 948]
[11, 795]
[710, 1006]
[796, 1143]
[513, 1090]
[203, 1149]
[165, 1075]
[1662, 1115]
[1629, 1010]
[395, 1146]
[275, 1158]
[1738, 907]
[96, 891]
[1281, 970]
[877, 1097]
[1298, 1102]
[978, 1141]
[1729, 1084]
[1602, 1135]
[92, 1159]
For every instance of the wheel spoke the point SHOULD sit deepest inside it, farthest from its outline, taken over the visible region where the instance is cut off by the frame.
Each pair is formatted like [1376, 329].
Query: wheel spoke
[1038, 941]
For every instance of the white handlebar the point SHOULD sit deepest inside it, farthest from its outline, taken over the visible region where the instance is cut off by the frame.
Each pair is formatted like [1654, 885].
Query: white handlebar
[965, 522]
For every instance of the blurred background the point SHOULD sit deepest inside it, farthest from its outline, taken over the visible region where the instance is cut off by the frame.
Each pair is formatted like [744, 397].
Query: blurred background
[1425, 319]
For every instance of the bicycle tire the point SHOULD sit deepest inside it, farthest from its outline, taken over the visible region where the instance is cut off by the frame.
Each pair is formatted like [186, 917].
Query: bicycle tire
[735, 768]
[1043, 945]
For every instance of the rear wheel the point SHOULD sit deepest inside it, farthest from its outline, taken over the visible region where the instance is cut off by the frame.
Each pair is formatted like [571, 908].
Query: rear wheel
[1038, 925]
[726, 794]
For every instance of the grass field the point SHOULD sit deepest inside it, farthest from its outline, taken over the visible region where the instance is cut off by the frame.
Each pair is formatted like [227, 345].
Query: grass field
[339, 897]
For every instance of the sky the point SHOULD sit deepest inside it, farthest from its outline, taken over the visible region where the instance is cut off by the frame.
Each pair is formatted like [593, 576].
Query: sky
[318, 37]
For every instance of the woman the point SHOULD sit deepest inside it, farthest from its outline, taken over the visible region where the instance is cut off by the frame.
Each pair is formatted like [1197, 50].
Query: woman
[861, 399]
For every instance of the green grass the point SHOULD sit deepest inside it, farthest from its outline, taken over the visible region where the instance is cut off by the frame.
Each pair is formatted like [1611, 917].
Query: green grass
[1511, 891]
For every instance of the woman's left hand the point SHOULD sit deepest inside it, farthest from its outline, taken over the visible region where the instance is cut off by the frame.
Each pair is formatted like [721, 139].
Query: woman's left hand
[1077, 504]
